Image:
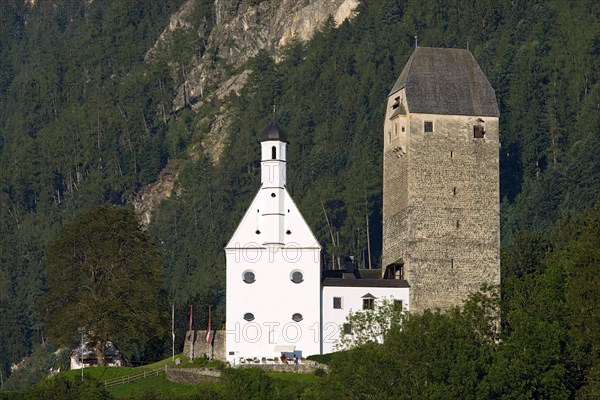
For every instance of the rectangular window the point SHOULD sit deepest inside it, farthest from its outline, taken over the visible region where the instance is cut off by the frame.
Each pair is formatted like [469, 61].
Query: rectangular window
[347, 329]
[478, 132]
[428, 126]
[398, 305]
[368, 304]
[337, 303]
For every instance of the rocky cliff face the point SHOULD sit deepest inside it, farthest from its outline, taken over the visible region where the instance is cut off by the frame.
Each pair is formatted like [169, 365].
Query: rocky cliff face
[242, 28]
[237, 31]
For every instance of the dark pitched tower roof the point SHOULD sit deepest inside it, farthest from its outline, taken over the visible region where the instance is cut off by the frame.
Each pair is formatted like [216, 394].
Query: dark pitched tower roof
[273, 132]
[446, 81]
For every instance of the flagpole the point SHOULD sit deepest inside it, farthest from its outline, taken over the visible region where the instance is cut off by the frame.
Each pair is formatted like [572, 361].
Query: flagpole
[173, 329]
[191, 336]
[208, 335]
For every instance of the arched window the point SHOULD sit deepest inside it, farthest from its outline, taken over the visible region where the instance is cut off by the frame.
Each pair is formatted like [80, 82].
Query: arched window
[249, 316]
[273, 153]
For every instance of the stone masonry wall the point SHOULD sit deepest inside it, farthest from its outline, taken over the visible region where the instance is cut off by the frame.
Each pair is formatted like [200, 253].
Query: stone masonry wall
[305, 367]
[447, 231]
[396, 161]
[201, 348]
[192, 375]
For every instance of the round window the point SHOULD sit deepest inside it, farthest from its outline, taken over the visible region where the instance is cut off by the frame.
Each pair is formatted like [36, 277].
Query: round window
[248, 277]
[297, 277]
[297, 317]
[249, 316]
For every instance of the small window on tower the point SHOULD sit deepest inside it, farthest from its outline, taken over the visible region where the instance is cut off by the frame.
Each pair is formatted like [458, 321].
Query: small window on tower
[479, 129]
[249, 316]
[428, 126]
[273, 153]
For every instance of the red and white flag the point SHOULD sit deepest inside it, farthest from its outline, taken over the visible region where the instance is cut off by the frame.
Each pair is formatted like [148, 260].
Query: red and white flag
[208, 327]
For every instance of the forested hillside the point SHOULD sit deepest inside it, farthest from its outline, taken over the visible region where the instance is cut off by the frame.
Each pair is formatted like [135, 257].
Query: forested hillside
[85, 120]
[78, 127]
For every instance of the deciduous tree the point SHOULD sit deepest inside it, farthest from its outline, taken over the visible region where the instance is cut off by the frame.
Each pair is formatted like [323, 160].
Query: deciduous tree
[104, 274]
[371, 326]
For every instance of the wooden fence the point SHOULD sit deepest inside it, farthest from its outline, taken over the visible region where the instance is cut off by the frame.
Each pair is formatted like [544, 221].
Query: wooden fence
[120, 380]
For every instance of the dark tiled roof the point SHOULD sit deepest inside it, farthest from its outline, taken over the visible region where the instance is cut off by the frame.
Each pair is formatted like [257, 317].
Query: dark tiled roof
[446, 81]
[333, 273]
[370, 273]
[352, 272]
[401, 283]
[273, 132]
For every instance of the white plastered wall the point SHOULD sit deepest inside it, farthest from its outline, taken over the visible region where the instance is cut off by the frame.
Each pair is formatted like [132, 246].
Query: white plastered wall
[352, 301]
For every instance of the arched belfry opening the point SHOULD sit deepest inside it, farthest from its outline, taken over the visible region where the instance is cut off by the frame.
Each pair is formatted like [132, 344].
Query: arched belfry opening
[273, 153]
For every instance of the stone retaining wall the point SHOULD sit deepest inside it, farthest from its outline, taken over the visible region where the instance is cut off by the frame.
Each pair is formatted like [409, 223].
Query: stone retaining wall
[306, 367]
[192, 375]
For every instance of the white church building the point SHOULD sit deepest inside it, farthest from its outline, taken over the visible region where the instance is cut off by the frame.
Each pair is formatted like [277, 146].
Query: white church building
[279, 299]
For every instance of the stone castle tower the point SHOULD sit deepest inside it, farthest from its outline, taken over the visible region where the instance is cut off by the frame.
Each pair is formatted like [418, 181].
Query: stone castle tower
[441, 228]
